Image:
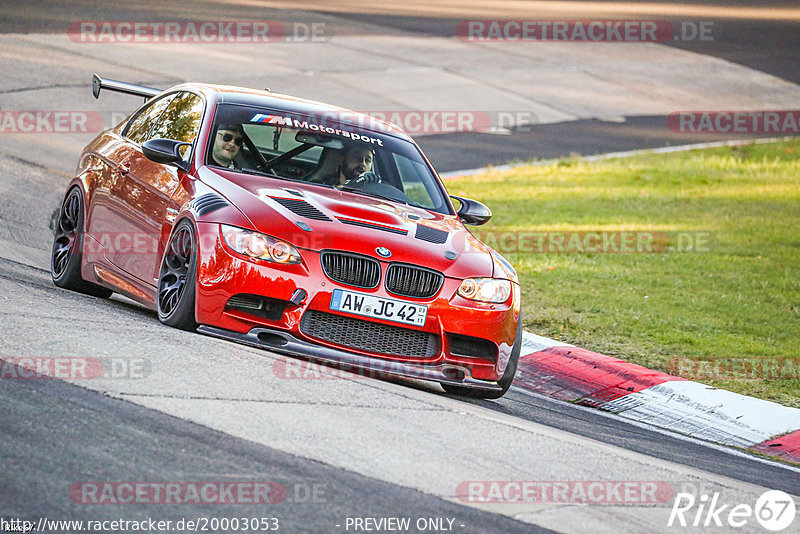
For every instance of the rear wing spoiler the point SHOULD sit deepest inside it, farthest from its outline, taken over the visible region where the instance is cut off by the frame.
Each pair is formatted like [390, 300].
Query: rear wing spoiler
[99, 83]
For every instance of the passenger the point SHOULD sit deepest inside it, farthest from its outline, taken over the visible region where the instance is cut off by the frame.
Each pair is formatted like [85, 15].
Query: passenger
[229, 139]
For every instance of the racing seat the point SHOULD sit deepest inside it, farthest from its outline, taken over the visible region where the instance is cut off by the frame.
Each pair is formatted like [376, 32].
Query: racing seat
[326, 166]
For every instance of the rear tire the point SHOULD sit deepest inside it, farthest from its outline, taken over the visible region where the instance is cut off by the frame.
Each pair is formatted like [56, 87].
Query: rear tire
[504, 382]
[177, 279]
[67, 252]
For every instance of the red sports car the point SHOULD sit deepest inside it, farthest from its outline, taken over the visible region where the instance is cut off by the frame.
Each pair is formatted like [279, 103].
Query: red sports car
[290, 225]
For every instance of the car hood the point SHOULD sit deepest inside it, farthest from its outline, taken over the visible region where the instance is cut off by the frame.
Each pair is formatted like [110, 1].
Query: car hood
[316, 217]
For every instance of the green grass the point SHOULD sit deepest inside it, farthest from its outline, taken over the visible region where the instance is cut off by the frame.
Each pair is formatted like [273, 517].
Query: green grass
[739, 299]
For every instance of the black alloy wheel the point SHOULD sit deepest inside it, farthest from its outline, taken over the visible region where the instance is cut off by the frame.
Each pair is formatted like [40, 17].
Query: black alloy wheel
[177, 279]
[66, 255]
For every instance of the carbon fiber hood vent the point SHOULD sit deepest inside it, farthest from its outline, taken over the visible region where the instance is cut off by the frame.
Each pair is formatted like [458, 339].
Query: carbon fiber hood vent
[374, 226]
[431, 235]
[301, 208]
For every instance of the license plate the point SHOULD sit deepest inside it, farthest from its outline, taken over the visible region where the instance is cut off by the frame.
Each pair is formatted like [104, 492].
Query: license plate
[382, 308]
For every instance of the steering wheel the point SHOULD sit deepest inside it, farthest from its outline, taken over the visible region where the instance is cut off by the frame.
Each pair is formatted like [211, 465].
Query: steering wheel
[365, 179]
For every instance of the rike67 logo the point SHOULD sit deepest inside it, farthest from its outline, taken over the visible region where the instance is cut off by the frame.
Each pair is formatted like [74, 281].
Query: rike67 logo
[774, 510]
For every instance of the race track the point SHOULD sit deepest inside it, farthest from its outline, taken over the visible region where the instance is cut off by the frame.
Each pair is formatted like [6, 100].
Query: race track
[189, 408]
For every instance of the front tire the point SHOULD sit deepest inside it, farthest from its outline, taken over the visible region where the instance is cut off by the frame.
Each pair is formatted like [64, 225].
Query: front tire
[504, 382]
[67, 252]
[177, 279]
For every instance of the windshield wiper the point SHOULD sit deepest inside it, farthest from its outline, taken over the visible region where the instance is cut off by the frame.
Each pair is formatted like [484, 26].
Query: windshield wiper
[248, 170]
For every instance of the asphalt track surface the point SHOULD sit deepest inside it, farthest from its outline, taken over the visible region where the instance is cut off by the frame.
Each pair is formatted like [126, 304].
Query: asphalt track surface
[166, 427]
[46, 445]
[56, 434]
[768, 46]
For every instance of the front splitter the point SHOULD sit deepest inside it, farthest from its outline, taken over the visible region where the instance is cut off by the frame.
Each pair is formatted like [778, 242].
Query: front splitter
[280, 341]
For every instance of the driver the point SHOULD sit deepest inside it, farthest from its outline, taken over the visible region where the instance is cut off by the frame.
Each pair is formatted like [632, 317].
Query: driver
[355, 167]
[227, 142]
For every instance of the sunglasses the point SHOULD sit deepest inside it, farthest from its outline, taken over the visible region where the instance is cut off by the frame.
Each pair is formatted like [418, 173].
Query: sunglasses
[226, 138]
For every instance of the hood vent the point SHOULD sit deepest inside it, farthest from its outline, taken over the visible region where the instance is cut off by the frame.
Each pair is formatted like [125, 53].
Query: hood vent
[207, 203]
[431, 235]
[374, 226]
[301, 208]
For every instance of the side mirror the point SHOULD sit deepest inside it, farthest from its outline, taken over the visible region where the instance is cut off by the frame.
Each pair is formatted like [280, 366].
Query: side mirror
[164, 150]
[472, 212]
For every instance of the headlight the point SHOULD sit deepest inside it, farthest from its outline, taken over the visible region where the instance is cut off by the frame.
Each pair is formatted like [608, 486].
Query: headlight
[485, 289]
[259, 246]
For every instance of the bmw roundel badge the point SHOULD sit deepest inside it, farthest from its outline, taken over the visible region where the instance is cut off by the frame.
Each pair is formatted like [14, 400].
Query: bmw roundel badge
[383, 252]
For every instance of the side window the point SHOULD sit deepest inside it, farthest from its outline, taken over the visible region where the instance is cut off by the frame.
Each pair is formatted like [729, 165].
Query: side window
[142, 123]
[181, 120]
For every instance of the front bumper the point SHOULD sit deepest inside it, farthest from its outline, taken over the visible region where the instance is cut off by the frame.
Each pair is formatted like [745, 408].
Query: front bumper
[223, 274]
[285, 343]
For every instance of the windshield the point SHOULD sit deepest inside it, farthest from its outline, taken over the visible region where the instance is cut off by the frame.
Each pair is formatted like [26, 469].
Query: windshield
[290, 146]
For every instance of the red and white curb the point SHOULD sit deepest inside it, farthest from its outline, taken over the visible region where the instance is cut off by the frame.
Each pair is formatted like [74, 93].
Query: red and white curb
[580, 376]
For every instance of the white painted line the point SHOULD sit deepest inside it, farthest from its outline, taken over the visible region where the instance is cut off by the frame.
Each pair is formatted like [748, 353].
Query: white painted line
[610, 155]
[663, 431]
[534, 343]
[708, 413]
